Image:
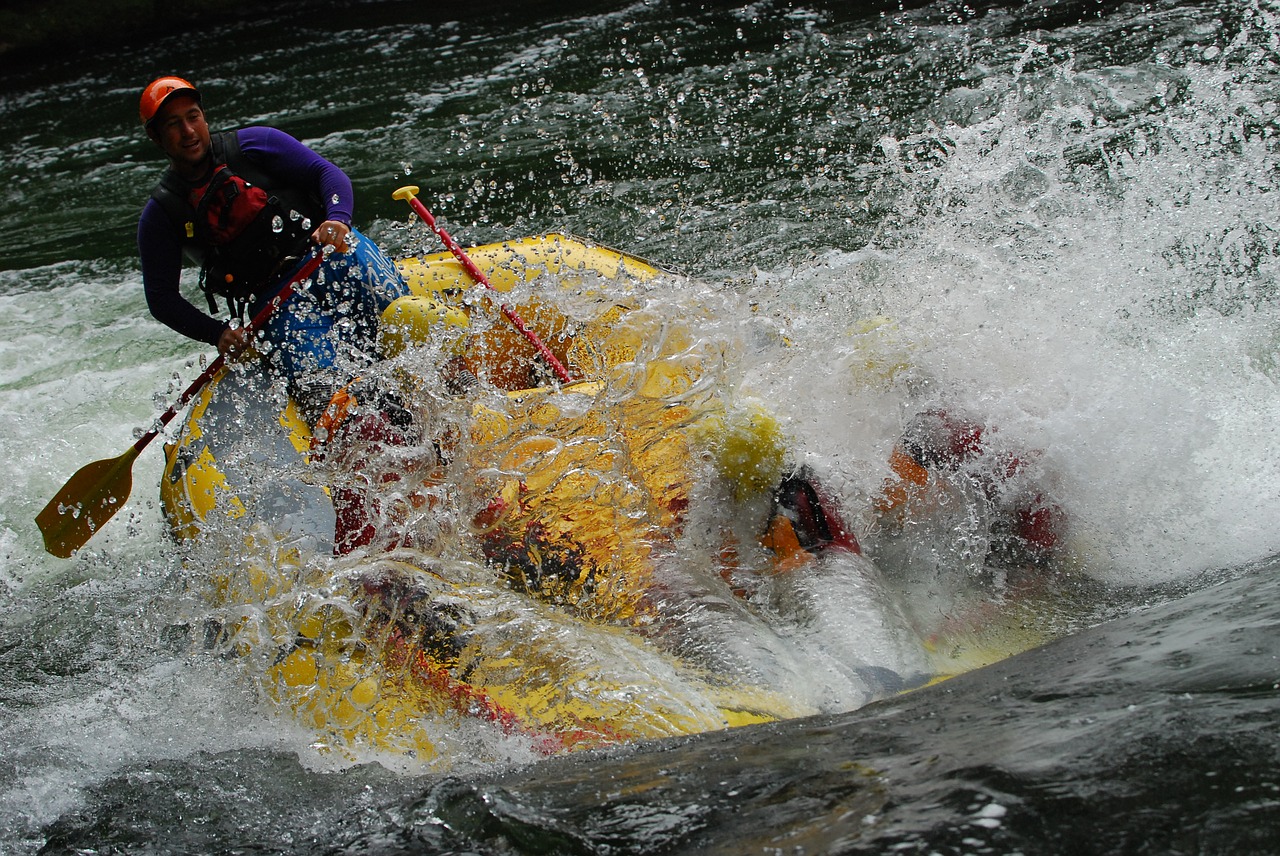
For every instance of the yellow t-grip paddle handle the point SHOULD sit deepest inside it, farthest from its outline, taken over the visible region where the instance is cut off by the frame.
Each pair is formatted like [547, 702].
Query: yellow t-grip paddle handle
[409, 191]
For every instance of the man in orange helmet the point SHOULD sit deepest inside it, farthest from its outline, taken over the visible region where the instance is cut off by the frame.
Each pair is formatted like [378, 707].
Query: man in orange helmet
[247, 206]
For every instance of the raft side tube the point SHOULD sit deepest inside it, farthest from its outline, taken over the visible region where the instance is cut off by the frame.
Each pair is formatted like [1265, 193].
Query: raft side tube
[509, 263]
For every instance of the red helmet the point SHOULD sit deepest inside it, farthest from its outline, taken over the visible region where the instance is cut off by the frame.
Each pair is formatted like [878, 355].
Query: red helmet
[161, 90]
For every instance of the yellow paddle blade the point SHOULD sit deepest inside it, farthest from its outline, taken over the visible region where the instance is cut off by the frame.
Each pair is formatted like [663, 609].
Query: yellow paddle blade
[86, 502]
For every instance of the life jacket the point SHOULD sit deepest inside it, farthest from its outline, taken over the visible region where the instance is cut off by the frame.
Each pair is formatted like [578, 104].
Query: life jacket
[242, 226]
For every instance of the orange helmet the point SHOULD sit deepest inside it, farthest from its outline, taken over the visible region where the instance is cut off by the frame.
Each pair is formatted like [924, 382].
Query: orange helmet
[159, 91]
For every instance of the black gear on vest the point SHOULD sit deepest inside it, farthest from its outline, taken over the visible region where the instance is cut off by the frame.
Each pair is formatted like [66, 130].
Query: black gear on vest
[277, 235]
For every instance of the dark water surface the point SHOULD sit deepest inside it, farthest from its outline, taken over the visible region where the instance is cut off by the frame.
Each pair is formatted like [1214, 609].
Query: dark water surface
[1068, 209]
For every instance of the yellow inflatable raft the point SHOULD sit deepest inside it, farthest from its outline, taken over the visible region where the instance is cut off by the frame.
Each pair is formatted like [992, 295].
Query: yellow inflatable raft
[521, 590]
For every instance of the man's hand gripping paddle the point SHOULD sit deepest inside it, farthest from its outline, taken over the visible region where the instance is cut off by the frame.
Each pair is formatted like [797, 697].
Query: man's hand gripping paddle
[98, 490]
[410, 195]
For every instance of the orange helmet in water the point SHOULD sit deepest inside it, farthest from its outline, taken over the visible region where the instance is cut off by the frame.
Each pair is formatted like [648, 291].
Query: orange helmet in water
[159, 91]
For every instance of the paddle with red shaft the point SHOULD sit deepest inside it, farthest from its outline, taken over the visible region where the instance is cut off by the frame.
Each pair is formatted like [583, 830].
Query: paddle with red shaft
[98, 490]
[409, 194]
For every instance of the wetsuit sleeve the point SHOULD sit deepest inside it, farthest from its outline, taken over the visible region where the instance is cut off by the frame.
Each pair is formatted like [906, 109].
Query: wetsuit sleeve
[282, 155]
[160, 249]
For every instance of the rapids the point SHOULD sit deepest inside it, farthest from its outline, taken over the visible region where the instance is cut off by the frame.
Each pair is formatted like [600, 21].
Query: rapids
[1067, 212]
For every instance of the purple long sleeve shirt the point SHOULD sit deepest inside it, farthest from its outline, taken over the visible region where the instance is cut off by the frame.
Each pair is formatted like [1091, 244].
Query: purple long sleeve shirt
[160, 239]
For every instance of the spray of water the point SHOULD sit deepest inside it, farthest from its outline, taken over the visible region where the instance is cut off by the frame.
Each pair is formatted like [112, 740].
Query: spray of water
[1087, 262]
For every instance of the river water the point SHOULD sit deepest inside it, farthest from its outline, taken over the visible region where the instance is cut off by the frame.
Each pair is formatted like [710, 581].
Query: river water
[1067, 209]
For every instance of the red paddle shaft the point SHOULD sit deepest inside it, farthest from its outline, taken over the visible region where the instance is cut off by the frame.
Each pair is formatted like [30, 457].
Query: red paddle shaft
[285, 292]
[409, 194]
[99, 489]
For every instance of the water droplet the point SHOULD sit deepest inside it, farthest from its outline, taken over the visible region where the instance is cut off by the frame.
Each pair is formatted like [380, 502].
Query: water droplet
[306, 224]
[334, 199]
[294, 215]
[277, 224]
